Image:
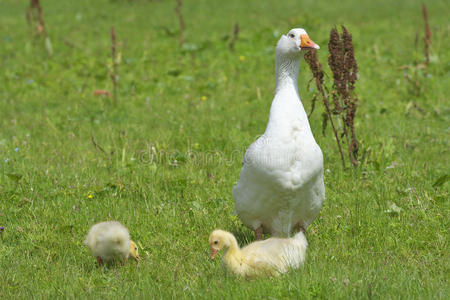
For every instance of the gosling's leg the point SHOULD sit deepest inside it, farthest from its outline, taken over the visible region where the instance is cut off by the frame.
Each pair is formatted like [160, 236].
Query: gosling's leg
[99, 261]
[123, 261]
[259, 232]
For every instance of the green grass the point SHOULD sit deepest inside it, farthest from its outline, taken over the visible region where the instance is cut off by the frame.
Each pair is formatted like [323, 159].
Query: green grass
[48, 113]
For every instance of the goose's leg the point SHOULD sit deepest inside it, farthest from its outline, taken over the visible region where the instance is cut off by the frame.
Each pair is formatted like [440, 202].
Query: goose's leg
[99, 261]
[259, 232]
[298, 227]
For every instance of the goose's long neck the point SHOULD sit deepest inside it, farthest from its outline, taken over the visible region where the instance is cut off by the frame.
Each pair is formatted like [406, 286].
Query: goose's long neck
[286, 72]
[287, 109]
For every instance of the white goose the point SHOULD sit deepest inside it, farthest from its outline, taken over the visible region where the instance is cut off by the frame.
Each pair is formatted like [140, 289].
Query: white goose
[281, 184]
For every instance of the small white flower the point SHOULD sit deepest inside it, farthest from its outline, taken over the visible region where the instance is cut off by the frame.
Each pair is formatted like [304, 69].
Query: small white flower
[7, 160]
[16, 149]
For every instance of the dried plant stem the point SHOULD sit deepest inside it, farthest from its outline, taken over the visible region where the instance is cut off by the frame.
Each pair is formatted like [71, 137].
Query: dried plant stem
[114, 65]
[180, 21]
[235, 36]
[97, 146]
[414, 80]
[336, 136]
[313, 106]
[427, 38]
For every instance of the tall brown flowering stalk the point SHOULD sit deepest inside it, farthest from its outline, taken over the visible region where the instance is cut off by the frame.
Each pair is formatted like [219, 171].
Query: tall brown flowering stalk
[343, 65]
[179, 14]
[427, 38]
[34, 17]
[114, 65]
[35, 20]
[235, 36]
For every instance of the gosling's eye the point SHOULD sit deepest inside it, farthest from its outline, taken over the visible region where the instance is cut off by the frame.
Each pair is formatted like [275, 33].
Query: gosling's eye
[135, 248]
[291, 35]
[216, 242]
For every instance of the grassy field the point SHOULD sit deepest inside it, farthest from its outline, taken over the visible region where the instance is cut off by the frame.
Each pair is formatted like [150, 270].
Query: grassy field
[164, 161]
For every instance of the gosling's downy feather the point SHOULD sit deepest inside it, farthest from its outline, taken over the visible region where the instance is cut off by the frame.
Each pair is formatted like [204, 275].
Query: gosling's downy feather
[109, 241]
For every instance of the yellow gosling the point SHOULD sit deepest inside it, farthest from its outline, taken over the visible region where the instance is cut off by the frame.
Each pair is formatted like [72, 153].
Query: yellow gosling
[110, 241]
[269, 257]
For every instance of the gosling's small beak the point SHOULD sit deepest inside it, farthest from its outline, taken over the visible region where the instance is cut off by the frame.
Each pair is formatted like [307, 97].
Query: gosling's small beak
[307, 43]
[138, 258]
[214, 252]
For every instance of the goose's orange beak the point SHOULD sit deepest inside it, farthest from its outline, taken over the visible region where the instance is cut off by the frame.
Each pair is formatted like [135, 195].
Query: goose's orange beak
[307, 43]
[214, 252]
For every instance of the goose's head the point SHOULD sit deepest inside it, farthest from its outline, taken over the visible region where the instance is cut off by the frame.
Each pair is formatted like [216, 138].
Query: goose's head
[294, 42]
[134, 252]
[218, 239]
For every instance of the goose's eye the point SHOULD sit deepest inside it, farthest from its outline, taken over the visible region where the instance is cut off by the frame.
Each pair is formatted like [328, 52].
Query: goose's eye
[291, 35]
[216, 242]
